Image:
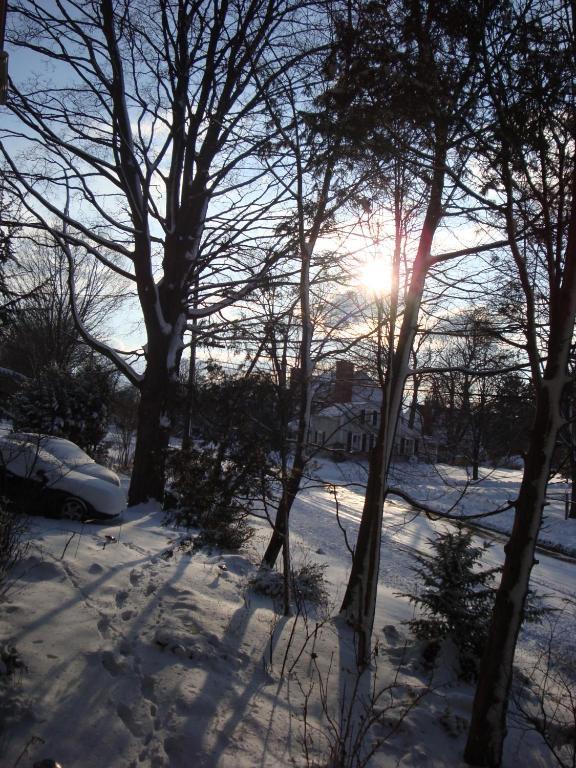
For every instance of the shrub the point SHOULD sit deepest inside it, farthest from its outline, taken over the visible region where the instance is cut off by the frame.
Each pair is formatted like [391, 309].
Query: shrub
[215, 488]
[212, 494]
[64, 404]
[124, 413]
[12, 548]
[308, 584]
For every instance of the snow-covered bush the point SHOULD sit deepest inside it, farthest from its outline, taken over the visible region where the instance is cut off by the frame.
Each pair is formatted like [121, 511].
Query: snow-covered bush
[212, 495]
[455, 597]
[64, 404]
[308, 582]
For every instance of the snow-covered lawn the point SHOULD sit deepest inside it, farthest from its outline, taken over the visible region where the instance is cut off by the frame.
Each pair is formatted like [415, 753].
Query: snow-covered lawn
[138, 654]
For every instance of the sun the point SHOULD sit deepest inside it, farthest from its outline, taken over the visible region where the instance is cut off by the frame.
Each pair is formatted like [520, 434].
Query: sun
[375, 276]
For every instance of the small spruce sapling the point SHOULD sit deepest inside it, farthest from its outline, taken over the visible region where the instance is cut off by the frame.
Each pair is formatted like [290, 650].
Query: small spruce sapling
[456, 597]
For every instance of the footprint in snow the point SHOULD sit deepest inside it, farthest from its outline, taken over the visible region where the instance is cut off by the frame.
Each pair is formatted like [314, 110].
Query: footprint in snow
[147, 688]
[127, 717]
[103, 626]
[135, 577]
[113, 665]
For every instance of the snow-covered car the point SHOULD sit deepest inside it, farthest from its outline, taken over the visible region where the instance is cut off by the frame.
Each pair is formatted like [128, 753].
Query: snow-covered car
[38, 482]
[68, 453]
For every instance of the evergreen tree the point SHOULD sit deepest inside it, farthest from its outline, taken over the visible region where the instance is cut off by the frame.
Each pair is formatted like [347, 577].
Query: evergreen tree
[64, 404]
[456, 597]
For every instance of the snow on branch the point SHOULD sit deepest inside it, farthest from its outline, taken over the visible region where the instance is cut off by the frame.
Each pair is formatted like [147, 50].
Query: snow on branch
[13, 374]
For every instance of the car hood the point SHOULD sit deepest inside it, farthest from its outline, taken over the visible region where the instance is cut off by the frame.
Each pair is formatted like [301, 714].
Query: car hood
[102, 495]
[96, 470]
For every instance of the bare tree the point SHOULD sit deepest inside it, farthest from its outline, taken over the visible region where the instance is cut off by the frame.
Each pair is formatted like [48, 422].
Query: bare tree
[306, 162]
[41, 330]
[471, 363]
[144, 147]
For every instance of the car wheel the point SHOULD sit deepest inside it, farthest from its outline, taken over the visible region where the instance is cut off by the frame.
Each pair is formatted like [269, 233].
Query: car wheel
[73, 508]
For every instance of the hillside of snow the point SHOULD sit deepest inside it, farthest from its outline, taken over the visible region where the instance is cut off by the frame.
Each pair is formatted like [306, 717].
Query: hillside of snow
[133, 652]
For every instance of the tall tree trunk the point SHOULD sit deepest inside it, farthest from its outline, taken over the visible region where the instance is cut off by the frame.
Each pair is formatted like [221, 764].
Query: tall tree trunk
[153, 434]
[359, 603]
[488, 726]
[289, 493]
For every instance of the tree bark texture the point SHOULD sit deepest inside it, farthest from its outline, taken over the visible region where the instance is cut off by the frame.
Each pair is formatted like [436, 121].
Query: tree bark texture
[148, 474]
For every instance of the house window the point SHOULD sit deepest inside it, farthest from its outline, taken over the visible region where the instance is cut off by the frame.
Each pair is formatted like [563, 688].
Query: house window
[372, 441]
[362, 417]
[355, 441]
[349, 441]
[364, 436]
[374, 418]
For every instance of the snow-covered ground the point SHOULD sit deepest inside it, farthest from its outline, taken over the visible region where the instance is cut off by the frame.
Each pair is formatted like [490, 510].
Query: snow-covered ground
[138, 654]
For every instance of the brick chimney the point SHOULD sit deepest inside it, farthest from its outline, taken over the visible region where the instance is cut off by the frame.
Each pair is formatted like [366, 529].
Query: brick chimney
[344, 381]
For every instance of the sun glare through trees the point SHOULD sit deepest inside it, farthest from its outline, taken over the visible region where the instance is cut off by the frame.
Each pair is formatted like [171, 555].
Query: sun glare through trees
[375, 276]
[365, 210]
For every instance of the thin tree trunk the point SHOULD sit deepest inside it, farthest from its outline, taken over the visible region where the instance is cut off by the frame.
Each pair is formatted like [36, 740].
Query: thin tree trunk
[359, 603]
[291, 484]
[572, 509]
[572, 449]
[190, 391]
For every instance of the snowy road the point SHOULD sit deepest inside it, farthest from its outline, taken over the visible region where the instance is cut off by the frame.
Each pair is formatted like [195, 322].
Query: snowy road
[410, 532]
[553, 579]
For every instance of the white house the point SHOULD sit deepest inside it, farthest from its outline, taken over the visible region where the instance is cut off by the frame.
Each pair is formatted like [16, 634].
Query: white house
[350, 419]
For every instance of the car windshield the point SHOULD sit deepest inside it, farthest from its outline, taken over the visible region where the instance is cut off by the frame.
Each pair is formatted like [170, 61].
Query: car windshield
[26, 459]
[58, 446]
